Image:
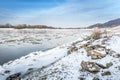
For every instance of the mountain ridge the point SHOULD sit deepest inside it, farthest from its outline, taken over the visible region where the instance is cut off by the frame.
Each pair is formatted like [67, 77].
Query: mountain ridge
[108, 24]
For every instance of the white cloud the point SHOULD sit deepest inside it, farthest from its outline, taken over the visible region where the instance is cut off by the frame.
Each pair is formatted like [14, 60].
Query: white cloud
[70, 14]
[65, 15]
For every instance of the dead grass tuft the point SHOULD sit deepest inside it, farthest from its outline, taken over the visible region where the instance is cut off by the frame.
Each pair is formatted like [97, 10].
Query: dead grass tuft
[97, 34]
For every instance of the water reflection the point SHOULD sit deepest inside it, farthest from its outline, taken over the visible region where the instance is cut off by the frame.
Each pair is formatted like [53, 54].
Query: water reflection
[8, 53]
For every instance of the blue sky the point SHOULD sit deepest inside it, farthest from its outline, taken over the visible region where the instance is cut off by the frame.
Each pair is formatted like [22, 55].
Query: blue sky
[58, 13]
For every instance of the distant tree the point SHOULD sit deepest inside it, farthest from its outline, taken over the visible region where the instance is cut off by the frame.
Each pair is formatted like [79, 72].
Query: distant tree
[22, 26]
[8, 25]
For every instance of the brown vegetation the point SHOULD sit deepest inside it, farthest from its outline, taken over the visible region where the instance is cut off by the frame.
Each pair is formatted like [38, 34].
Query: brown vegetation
[22, 26]
[97, 34]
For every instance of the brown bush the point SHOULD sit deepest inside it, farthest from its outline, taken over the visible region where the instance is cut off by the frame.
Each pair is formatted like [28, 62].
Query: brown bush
[97, 34]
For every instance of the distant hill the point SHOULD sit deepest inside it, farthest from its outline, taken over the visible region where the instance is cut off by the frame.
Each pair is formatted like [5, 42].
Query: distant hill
[109, 24]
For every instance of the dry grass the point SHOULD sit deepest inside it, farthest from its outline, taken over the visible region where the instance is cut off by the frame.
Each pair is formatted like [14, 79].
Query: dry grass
[97, 34]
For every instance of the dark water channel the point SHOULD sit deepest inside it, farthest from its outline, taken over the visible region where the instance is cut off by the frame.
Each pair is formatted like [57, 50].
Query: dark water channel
[8, 53]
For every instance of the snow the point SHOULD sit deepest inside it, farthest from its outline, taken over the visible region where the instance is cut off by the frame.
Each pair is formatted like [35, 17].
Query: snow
[34, 60]
[114, 43]
[67, 68]
[56, 64]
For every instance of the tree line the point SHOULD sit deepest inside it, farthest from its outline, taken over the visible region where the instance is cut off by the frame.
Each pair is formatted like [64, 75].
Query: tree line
[22, 26]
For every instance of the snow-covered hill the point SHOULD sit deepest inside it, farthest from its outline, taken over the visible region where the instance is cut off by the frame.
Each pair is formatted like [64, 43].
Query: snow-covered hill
[79, 66]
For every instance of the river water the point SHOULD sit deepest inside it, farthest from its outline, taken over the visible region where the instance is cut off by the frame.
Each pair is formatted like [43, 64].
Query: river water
[8, 52]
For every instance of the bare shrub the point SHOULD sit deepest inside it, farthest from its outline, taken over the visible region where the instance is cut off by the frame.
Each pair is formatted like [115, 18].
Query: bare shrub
[97, 34]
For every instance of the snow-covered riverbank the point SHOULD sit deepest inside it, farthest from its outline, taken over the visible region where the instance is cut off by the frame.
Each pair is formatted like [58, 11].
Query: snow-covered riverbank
[66, 61]
[20, 42]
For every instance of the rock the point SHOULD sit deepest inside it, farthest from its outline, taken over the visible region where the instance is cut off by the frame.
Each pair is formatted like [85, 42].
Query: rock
[88, 53]
[101, 66]
[88, 49]
[30, 69]
[72, 49]
[6, 71]
[94, 47]
[118, 67]
[106, 73]
[117, 56]
[109, 64]
[97, 55]
[44, 78]
[90, 67]
[95, 78]
[10, 62]
[84, 46]
[35, 54]
[26, 57]
[15, 76]
[104, 67]
[84, 65]
[68, 52]
[81, 78]
[107, 51]
[111, 52]
[94, 56]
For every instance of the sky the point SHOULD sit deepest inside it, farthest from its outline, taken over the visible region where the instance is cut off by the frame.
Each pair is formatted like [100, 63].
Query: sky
[58, 13]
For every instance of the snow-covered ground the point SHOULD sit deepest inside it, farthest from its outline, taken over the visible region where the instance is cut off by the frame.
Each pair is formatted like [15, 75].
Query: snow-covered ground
[65, 62]
[69, 67]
